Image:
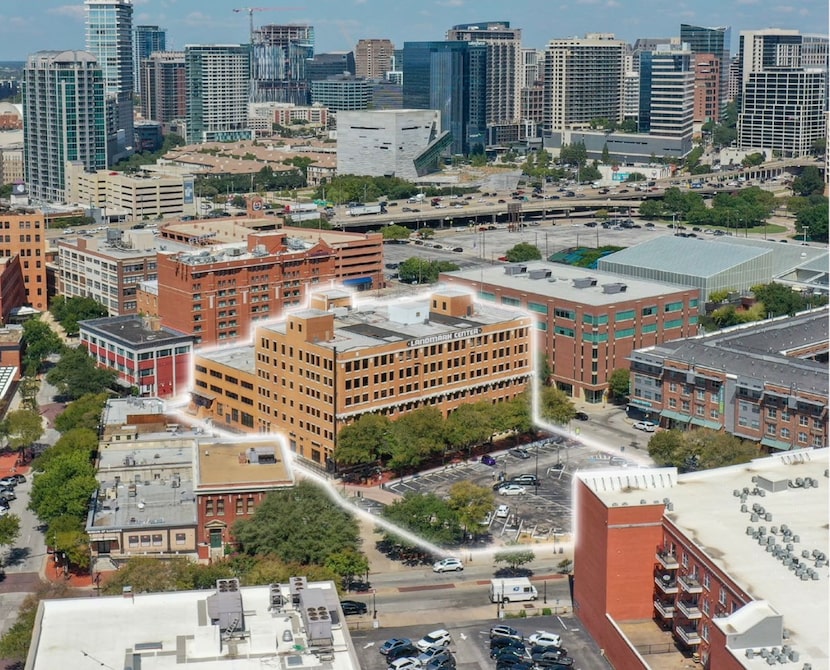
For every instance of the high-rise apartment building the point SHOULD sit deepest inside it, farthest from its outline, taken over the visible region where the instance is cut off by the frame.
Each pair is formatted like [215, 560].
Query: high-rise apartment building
[164, 86]
[714, 41]
[707, 94]
[342, 92]
[217, 92]
[279, 55]
[109, 37]
[64, 119]
[331, 64]
[504, 66]
[783, 101]
[451, 78]
[667, 92]
[583, 80]
[146, 40]
[373, 58]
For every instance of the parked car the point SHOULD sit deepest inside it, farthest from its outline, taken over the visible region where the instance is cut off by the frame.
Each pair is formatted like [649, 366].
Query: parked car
[351, 607]
[520, 452]
[502, 512]
[394, 643]
[437, 638]
[497, 644]
[646, 426]
[487, 459]
[511, 652]
[500, 630]
[437, 654]
[440, 663]
[552, 660]
[406, 651]
[581, 416]
[543, 638]
[8, 494]
[9, 482]
[448, 565]
[405, 663]
[512, 490]
[525, 480]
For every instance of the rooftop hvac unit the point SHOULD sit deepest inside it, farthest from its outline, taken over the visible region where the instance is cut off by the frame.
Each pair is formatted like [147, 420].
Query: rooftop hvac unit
[584, 282]
[616, 287]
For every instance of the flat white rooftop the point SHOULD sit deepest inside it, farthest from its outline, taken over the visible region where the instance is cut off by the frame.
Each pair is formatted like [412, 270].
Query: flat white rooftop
[705, 508]
[174, 630]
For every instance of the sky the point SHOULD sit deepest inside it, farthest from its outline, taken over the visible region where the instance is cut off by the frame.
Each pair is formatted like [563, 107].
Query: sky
[33, 25]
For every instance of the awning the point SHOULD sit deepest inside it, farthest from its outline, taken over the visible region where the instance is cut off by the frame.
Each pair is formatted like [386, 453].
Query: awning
[714, 425]
[676, 416]
[357, 281]
[639, 403]
[776, 444]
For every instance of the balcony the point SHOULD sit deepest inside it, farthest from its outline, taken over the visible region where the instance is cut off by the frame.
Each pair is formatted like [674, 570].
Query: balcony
[665, 610]
[690, 610]
[687, 634]
[666, 583]
[667, 559]
[689, 584]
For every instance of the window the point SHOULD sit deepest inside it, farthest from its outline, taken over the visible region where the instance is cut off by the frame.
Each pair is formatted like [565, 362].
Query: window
[239, 506]
[515, 302]
[250, 504]
[180, 538]
[209, 507]
[484, 295]
[722, 596]
[595, 337]
[675, 323]
[673, 307]
[597, 320]
[802, 438]
[220, 507]
[567, 332]
[564, 313]
[650, 328]
[649, 311]
[772, 412]
[132, 541]
[537, 307]
[625, 332]
[145, 540]
[626, 315]
[156, 540]
[770, 429]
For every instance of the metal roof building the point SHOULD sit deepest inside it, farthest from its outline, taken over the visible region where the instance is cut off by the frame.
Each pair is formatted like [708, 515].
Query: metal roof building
[712, 264]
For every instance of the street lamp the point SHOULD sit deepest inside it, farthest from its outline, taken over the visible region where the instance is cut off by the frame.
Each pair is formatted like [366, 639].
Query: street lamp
[374, 605]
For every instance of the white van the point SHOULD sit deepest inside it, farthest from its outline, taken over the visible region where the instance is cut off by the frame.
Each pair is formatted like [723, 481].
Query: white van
[516, 589]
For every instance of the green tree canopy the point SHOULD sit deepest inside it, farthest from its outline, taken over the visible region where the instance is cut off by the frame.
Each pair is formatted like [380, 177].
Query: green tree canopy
[779, 299]
[69, 311]
[39, 342]
[618, 383]
[428, 516]
[9, 529]
[556, 406]
[302, 525]
[809, 182]
[422, 271]
[699, 449]
[522, 252]
[22, 427]
[395, 232]
[515, 557]
[469, 425]
[85, 412]
[363, 441]
[64, 489]
[75, 441]
[347, 564]
[813, 221]
[470, 502]
[76, 374]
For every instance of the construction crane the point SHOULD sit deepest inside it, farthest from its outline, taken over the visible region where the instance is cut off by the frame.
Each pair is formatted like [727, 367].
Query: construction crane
[251, 10]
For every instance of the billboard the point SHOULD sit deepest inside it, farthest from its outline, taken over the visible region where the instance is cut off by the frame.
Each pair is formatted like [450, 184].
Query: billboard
[188, 191]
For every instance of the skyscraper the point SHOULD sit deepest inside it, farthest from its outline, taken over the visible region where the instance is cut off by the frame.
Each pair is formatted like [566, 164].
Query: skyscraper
[451, 78]
[715, 41]
[279, 55]
[146, 40]
[217, 92]
[109, 37]
[583, 80]
[373, 58]
[504, 66]
[667, 93]
[783, 100]
[64, 119]
[164, 86]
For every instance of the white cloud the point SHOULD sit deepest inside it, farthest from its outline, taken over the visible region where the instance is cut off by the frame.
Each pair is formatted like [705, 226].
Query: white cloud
[71, 11]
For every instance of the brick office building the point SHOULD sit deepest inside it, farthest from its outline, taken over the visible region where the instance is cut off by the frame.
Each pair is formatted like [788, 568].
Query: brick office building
[588, 322]
[727, 567]
[12, 286]
[23, 234]
[156, 360]
[321, 368]
[764, 382]
[220, 294]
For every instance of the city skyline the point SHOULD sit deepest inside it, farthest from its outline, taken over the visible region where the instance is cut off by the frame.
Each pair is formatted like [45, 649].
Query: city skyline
[60, 24]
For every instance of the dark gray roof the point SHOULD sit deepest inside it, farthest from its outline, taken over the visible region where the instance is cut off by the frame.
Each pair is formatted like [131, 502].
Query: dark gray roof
[133, 331]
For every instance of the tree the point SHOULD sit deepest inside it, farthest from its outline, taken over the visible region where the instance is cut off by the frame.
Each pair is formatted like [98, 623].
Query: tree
[651, 209]
[301, 524]
[635, 177]
[14, 645]
[28, 388]
[70, 540]
[39, 341]
[555, 405]
[573, 154]
[699, 449]
[515, 557]
[76, 374]
[362, 441]
[523, 252]
[619, 383]
[469, 425]
[22, 427]
[719, 296]
[395, 232]
[809, 182]
[69, 311]
[64, 488]
[9, 529]
[150, 575]
[813, 221]
[426, 515]
[85, 412]
[347, 564]
[665, 446]
[778, 299]
[470, 502]
[76, 441]
[416, 436]
[606, 155]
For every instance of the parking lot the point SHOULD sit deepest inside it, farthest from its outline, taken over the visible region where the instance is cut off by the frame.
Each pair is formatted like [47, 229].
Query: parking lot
[543, 512]
[471, 643]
